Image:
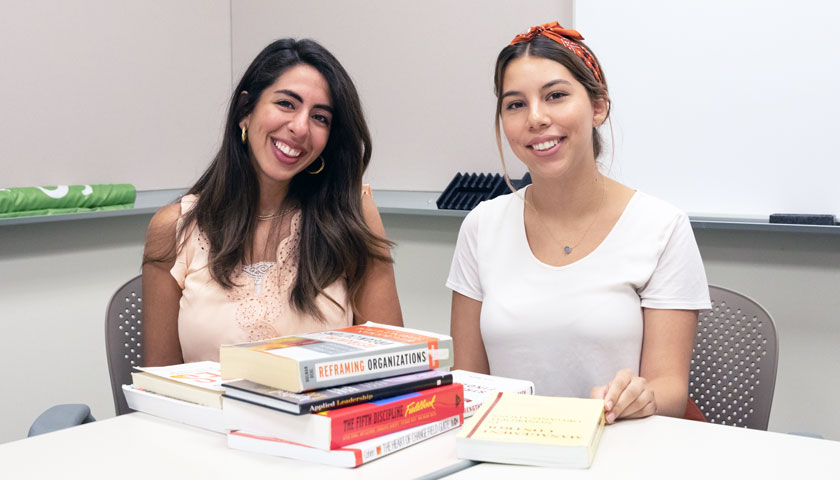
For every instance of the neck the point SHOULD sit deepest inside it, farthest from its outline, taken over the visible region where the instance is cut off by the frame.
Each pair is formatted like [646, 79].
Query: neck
[571, 196]
[272, 195]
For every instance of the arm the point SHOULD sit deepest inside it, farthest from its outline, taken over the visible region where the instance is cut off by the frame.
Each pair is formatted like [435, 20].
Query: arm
[466, 335]
[662, 387]
[377, 298]
[161, 293]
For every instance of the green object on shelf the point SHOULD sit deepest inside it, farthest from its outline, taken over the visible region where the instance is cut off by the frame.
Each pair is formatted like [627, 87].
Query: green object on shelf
[63, 199]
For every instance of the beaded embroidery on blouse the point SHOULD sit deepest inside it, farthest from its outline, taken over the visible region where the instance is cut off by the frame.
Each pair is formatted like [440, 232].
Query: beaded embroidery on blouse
[262, 289]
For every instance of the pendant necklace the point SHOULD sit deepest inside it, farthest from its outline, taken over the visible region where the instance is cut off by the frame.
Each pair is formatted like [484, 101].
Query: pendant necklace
[567, 249]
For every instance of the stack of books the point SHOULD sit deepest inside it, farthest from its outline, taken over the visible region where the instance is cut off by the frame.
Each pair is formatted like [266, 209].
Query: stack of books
[342, 397]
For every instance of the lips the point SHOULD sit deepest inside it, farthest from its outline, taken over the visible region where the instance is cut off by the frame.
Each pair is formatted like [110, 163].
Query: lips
[543, 146]
[287, 152]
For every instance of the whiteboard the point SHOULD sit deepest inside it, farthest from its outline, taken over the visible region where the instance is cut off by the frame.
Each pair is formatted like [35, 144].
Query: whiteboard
[722, 106]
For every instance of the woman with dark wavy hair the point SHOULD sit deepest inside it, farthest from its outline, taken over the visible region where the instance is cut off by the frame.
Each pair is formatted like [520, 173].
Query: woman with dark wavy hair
[278, 236]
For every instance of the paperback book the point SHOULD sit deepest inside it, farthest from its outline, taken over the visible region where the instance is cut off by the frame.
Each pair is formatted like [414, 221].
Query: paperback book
[336, 357]
[348, 456]
[208, 418]
[316, 401]
[533, 430]
[478, 386]
[197, 382]
[333, 429]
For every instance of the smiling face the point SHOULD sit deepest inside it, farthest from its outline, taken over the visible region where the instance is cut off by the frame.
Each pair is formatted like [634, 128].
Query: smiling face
[547, 116]
[290, 125]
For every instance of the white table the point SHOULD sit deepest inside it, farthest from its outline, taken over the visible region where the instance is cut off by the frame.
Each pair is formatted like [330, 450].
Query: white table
[145, 447]
[669, 448]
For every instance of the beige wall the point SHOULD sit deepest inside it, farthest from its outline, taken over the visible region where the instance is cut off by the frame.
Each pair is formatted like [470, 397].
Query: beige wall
[98, 91]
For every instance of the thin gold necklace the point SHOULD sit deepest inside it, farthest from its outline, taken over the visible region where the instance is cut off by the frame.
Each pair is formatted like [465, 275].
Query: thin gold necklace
[274, 215]
[567, 249]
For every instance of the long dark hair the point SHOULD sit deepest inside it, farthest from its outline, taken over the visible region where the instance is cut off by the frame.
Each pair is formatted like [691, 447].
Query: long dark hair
[335, 241]
[544, 47]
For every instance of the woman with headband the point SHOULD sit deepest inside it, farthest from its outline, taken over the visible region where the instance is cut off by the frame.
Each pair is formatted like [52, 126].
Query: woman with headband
[278, 236]
[576, 282]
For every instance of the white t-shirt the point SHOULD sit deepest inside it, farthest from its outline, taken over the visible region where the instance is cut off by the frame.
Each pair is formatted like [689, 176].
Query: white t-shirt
[571, 328]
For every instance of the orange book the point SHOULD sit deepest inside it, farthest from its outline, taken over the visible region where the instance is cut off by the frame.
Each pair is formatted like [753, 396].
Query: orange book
[334, 429]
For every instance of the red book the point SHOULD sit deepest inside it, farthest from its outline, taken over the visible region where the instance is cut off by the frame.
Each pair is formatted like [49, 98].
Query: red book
[334, 429]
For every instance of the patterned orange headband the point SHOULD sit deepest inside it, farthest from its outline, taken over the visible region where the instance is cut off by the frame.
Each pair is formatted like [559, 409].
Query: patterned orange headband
[564, 36]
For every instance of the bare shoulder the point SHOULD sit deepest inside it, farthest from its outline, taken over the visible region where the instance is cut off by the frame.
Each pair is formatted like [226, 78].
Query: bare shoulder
[165, 219]
[367, 198]
[161, 234]
[371, 212]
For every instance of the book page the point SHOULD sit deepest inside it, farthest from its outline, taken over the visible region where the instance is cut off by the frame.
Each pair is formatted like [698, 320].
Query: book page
[198, 374]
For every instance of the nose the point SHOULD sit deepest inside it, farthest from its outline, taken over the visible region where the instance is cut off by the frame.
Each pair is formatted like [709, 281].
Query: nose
[537, 116]
[299, 124]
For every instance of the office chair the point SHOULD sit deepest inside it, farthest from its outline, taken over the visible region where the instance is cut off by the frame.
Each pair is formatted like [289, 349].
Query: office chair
[123, 345]
[733, 367]
[123, 348]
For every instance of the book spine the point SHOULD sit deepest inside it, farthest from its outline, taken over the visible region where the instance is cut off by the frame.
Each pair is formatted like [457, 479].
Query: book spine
[388, 391]
[381, 446]
[351, 456]
[323, 373]
[371, 420]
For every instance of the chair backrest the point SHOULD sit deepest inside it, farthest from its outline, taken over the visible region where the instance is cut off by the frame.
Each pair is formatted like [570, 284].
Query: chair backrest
[123, 344]
[733, 368]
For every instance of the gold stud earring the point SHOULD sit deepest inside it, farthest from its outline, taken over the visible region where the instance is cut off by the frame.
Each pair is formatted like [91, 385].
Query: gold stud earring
[316, 172]
[244, 134]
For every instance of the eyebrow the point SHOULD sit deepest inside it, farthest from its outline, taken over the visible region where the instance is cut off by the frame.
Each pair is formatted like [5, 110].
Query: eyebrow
[547, 85]
[300, 99]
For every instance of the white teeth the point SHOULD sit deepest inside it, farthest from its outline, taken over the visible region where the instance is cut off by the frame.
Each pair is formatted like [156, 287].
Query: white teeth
[545, 145]
[286, 149]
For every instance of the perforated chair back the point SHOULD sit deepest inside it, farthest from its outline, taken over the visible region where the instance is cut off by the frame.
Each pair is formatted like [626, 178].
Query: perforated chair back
[123, 344]
[733, 368]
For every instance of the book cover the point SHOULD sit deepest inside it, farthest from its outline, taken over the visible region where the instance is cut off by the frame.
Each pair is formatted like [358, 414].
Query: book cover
[533, 430]
[179, 411]
[315, 401]
[477, 387]
[336, 357]
[333, 429]
[349, 456]
[197, 382]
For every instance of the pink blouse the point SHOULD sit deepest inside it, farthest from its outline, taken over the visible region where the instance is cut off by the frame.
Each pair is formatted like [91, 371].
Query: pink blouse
[257, 308]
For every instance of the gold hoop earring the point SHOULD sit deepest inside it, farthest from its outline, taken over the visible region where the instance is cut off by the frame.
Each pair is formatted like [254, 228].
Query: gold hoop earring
[244, 134]
[316, 172]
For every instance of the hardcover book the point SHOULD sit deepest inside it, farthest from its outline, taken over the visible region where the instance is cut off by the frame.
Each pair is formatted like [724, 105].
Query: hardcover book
[333, 429]
[335, 397]
[478, 386]
[197, 382]
[533, 430]
[349, 456]
[336, 357]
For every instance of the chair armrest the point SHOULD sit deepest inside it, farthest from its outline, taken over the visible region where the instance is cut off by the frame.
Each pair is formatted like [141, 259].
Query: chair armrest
[59, 417]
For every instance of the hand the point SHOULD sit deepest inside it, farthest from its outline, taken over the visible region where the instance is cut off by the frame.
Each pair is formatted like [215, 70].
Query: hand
[626, 396]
